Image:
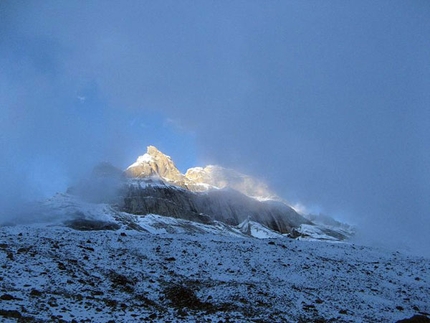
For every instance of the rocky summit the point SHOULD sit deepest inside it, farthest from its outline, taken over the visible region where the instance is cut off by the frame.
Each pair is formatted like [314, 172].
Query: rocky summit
[155, 163]
[204, 194]
[212, 194]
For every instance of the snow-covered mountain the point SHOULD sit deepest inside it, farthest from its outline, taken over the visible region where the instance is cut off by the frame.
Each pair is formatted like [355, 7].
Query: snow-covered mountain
[152, 244]
[156, 186]
[155, 163]
[197, 179]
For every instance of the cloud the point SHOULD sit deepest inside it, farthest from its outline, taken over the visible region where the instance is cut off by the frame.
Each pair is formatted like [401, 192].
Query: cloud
[328, 102]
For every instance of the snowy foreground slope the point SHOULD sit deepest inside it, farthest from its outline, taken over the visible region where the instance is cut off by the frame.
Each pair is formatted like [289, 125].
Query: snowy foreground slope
[53, 273]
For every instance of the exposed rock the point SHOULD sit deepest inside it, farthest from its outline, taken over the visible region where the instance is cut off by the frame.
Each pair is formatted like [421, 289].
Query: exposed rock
[227, 205]
[122, 282]
[7, 297]
[181, 296]
[155, 163]
[205, 277]
[226, 196]
[416, 319]
[35, 292]
[163, 200]
[89, 225]
[154, 185]
[10, 314]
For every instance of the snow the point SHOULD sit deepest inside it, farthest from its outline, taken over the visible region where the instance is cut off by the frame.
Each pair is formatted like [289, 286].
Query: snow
[52, 272]
[123, 275]
[144, 159]
[152, 181]
[313, 233]
[257, 230]
[158, 224]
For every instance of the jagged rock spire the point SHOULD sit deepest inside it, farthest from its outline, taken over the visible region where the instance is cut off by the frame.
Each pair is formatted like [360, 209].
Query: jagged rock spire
[155, 163]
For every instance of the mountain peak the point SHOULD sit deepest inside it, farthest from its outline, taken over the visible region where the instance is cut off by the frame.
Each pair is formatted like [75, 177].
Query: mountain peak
[155, 152]
[154, 163]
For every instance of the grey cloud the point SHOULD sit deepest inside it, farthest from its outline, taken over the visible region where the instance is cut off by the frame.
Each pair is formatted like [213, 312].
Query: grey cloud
[326, 101]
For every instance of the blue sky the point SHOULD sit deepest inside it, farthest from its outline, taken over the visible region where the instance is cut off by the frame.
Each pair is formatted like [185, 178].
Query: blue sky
[328, 101]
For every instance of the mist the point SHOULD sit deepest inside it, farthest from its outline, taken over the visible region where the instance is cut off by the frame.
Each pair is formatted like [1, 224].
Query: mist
[325, 101]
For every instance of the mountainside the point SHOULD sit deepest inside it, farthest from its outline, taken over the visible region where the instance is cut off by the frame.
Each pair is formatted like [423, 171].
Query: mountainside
[156, 273]
[227, 206]
[151, 244]
[156, 186]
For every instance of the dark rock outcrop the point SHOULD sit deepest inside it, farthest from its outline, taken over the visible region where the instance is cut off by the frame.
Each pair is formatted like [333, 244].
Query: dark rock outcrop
[416, 319]
[154, 197]
[83, 224]
[227, 205]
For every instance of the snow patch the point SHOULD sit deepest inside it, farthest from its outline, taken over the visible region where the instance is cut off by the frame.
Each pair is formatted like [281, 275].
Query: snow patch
[55, 272]
[144, 159]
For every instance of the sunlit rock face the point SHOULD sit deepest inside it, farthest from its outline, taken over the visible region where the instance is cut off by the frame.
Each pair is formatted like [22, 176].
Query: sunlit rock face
[155, 163]
[203, 194]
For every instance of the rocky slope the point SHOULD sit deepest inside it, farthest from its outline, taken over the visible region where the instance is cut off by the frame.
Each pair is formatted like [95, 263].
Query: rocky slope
[51, 273]
[100, 254]
[227, 206]
[156, 186]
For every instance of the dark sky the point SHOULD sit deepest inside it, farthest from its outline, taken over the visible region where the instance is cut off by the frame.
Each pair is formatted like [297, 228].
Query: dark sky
[327, 101]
